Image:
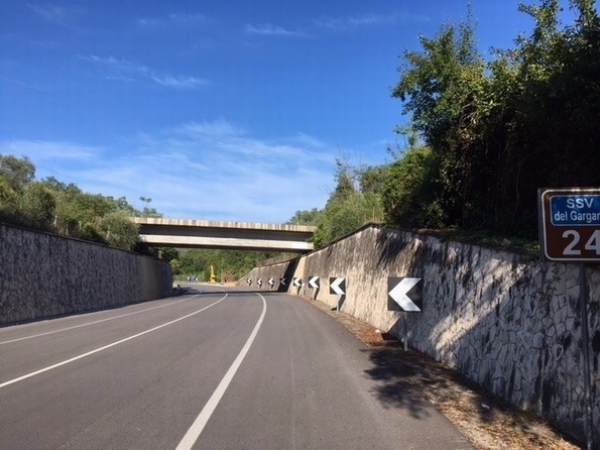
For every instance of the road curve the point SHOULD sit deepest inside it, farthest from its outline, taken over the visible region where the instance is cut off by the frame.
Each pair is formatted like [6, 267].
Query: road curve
[210, 369]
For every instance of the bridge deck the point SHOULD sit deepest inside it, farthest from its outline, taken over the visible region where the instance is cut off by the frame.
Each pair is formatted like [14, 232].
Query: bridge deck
[214, 234]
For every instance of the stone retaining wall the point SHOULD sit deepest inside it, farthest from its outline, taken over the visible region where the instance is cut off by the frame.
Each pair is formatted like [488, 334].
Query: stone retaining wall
[44, 275]
[511, 325]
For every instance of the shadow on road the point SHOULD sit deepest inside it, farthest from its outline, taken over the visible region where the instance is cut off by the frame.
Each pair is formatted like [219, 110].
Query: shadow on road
[398, 382]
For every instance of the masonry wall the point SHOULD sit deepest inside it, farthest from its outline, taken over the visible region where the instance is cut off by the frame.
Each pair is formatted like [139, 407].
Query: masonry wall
[511, 325]
[44, 275]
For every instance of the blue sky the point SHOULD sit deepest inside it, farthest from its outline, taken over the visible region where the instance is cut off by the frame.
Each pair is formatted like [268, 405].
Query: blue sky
[217, 110]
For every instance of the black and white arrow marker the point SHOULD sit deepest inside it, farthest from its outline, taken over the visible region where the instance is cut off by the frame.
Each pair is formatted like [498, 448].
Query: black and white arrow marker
[297, 282]
[249, 281]
[337, 286]
[405, 294]
[271, 282]
[282, 281]
[259, 282]
[313, 282]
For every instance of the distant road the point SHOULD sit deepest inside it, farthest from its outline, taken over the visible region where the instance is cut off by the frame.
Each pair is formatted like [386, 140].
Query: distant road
[210, 369]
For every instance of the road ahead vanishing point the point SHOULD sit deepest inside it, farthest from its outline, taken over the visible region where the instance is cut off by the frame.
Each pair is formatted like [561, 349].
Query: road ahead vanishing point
[211, 369]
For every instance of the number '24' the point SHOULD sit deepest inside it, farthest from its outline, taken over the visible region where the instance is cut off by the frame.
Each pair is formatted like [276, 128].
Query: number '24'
[593, 243]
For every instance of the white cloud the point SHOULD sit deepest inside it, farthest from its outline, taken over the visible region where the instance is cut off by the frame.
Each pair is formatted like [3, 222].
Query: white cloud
[212, 129]
[115, 64]
[49, 151]
[367, 20]
[182, 82]
[50, 13]
[201, 170]
[173, 19]
[127, 71]
[271, 30]
[67, 17]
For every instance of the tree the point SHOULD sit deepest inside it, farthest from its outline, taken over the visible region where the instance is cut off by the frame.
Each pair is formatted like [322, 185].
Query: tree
[444, 89]
[499, 130]
[411, 191]
[119, 230]
[308, 217]
[52, 205]
[348, 207]
[8, 201]
[37, 206]
[17, 172]
[372, 179]
[147, 211]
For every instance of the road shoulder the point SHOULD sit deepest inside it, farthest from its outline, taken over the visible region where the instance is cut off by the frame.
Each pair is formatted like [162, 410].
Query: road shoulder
[488, 422]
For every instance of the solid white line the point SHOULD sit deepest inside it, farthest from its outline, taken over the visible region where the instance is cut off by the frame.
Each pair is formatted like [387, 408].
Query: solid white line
[98, 350]
[195, 430]
[91, 323]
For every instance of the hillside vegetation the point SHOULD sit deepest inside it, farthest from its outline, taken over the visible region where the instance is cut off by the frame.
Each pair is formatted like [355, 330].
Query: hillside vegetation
[50, 205]
[483, 135]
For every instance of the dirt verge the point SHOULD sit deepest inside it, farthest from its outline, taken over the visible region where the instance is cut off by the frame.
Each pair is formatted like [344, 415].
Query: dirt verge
[485, 420]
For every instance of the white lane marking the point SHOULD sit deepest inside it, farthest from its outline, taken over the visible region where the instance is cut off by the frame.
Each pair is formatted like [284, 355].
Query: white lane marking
[98, 350]
[197, 427]
[91, 323]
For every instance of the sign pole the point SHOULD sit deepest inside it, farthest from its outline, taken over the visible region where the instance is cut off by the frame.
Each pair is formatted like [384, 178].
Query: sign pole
[569, 229]
[405, 333]
[585, 347]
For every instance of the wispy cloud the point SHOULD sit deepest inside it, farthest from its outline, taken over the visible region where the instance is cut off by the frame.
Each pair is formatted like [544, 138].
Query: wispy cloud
[199, 170]
[50, 151]
[173, 19]
[271, 30]
[367, 20]
[127, 71]
[116, 65]
[55, 14]
[214, 130]
[181, 82]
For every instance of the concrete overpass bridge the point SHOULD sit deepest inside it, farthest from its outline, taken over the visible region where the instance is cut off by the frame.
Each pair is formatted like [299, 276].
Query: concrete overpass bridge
[240, 235]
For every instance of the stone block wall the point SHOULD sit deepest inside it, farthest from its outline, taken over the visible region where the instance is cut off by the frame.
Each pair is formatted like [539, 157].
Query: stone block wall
[44, 275]
[511, 325]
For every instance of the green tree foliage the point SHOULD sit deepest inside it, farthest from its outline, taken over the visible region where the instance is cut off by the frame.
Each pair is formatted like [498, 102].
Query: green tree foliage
[51, 205]
[147, 211]
[499, 130]
[411, 191]
[118, 230]
[229, 265]
[308, 217]
[37, 206]
[23, 201]
[371, 179]
[355, 201]
[16, 172]
[9, 200]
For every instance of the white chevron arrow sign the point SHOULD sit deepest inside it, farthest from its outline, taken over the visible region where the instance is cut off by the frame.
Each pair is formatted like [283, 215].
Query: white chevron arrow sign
[282, 281]
[271, 282]
[297, 282]
[405, 294]
[249, 281]
[259, 282]
[313, 282]
[337, 286]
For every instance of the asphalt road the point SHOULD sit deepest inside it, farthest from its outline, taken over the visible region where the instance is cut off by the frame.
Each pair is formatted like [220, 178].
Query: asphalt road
[211, 369]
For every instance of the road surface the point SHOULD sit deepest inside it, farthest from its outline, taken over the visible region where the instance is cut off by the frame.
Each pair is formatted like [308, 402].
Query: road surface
[211, 369]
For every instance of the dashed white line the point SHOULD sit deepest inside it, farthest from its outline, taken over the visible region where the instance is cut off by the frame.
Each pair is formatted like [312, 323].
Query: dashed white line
[98, 350]
[90, 323]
